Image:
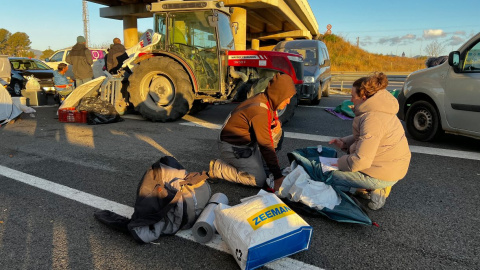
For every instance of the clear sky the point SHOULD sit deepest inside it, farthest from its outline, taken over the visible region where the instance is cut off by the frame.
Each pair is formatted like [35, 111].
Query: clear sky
[382, 26]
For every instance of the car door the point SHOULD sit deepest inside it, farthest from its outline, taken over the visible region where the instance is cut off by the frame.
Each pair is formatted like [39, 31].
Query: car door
[462, 91]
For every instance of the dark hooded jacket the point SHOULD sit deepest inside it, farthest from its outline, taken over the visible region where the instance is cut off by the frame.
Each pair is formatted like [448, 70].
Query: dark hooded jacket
[80, 58]
[250, 122]
[115, 51]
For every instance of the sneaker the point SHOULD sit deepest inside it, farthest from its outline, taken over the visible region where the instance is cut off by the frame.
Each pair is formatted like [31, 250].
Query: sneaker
[211, 178]
[210, 168]
[378, 198]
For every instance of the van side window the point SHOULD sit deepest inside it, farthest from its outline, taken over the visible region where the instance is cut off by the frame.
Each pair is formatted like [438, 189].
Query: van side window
[321, 57]
[325, 52]
[58, 57]
[472, 59]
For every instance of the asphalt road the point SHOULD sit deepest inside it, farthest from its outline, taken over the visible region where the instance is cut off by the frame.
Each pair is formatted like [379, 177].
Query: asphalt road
[430, 220]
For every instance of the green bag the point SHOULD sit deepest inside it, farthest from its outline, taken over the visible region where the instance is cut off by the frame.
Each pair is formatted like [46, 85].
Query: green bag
[346, 108]
[395, 92]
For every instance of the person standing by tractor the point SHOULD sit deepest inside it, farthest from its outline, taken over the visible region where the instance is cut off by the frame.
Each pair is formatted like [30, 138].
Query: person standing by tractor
[116, 50]
[81, 59]
[249, 135]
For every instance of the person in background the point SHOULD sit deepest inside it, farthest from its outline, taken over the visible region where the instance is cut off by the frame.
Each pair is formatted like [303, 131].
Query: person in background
[378, 155]
[116, 50]
[249, 135]
[59, 79]
[63, 85]
[81, 60]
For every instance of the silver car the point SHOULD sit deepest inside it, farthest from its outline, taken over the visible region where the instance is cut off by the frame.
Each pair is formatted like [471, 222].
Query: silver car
[444, 98]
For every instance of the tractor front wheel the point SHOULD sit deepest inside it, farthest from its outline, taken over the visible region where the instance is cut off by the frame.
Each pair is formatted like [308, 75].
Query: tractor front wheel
[160, 89]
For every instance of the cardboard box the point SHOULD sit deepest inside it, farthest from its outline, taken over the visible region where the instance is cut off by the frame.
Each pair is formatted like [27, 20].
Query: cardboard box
[35, 98]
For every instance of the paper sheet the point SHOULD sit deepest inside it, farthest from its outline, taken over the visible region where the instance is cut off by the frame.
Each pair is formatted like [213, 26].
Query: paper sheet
[329, 164]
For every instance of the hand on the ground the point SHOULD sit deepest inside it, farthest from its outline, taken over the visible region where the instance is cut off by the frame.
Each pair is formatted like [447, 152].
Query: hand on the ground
[277, 183]
[338, 143]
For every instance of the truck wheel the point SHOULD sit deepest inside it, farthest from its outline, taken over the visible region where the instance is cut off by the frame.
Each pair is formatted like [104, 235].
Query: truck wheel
[423, 121]
[326, 90]
[316, 99]
[160, 89]
[286, 114]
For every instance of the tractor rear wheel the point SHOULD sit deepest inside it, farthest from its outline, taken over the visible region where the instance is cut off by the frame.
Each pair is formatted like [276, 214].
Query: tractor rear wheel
[160, 89]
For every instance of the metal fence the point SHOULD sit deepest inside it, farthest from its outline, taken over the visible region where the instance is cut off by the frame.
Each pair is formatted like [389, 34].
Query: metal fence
[347, 78]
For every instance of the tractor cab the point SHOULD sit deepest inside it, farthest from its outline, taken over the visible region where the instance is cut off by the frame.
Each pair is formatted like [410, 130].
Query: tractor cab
[199, 35]
[195, 63]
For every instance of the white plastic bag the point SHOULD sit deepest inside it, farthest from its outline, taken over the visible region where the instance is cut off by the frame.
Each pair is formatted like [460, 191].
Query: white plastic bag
[32, 84]
[147, 41]
[299, 187]
[261, 229]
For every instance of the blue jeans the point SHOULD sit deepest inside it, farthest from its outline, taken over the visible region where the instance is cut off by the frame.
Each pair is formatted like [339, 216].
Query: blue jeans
[350, 181]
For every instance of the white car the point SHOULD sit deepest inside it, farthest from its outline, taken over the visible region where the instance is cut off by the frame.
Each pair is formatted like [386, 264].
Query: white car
[444, 98]
[60, 56]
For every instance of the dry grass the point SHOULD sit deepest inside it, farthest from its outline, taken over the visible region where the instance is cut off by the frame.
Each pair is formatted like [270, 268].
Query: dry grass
[347, 57]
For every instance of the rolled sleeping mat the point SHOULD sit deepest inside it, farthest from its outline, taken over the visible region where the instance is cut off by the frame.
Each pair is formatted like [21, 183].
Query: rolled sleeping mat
[203, 230]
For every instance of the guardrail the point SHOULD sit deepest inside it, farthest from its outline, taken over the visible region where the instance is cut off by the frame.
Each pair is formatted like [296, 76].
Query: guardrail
[349, 77]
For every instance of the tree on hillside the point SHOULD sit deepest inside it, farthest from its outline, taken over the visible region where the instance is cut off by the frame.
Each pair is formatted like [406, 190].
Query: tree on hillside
[18, 44]
[47, 53]
[434, 49]
[4, 36]
[29, 54]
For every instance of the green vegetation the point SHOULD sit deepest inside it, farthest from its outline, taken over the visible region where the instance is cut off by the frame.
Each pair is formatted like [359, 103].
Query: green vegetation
[47, 53]
[16, 44]
[348, 57]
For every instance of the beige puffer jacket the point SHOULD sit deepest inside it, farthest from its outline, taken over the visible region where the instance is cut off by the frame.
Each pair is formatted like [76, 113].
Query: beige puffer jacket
[378, 146]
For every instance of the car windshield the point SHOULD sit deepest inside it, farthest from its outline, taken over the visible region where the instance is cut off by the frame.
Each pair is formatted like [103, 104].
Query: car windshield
[28, 64]
[310, 55]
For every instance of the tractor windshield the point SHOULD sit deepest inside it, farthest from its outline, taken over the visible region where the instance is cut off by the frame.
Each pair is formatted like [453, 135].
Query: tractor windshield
[192, 36]
[225, 33]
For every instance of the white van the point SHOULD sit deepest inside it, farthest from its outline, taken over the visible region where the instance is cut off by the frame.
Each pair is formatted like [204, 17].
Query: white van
[60, 56]
[444, 98]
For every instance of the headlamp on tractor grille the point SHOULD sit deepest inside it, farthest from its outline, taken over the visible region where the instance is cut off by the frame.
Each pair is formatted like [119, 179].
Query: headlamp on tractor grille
[308, 79]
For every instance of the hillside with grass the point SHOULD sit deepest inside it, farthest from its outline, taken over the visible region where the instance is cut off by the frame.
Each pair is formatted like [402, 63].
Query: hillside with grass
[345, 56]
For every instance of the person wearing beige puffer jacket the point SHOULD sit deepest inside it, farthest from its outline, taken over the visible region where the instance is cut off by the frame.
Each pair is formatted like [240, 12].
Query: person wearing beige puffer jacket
[378, 155]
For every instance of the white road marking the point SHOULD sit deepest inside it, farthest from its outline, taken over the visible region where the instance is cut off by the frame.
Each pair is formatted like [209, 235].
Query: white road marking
[127, 211]
[203, 124]
[321, 138]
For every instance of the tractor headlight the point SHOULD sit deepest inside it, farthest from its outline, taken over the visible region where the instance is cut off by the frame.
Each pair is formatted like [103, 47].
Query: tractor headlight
[308, 79]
